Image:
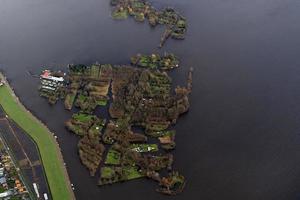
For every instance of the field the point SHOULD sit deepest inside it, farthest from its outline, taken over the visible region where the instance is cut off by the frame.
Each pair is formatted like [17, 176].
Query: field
[113, 157]
[120, 14]
[83, 118]
[53, 164]
[118, 174]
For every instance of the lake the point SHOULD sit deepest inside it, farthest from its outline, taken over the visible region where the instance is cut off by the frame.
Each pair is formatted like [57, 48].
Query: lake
[241, 138]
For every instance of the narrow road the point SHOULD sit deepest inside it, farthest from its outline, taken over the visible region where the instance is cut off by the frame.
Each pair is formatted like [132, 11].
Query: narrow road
[22, 148]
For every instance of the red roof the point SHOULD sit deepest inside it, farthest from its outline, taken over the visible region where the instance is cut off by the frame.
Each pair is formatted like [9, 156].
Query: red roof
[45, 74]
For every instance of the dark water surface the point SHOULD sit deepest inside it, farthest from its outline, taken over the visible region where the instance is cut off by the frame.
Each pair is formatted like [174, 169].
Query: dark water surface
[240, 139]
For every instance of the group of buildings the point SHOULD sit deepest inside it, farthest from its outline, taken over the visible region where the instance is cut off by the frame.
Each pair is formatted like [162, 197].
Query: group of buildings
[50, 82]
[11, 187]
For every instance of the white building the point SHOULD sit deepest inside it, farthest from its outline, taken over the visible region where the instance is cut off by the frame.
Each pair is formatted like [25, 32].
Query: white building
[49, 82]
[6, 194]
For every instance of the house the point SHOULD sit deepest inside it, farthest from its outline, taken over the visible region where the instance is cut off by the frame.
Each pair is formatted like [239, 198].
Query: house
[6, 194]
[2, 180]
[165, 140]
[1, 171]
[19, 186]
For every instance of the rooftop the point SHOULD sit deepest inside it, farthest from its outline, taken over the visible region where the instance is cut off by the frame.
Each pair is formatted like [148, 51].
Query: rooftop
[47, 75]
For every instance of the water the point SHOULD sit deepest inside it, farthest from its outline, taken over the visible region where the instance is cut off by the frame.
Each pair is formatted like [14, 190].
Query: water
[240, 139]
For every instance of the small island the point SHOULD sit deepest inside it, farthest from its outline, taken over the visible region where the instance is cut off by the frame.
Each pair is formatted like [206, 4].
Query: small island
[141, 105]
[140, 10]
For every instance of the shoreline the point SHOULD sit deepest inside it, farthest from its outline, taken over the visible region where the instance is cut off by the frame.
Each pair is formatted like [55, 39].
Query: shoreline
[58, 152]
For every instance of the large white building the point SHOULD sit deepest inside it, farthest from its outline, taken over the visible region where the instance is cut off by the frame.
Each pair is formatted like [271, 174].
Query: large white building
[49, 82]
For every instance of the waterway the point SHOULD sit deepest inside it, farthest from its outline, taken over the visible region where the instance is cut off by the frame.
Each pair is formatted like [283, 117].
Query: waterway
[240, 139]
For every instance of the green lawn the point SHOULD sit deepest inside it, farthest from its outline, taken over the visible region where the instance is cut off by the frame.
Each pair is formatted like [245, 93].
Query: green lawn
[118, 14]
[69, 101]
[113, 157]
[132, 173]
[128, 172]
[107, 172]
[52, 164]
[102, 102]
[84, 118]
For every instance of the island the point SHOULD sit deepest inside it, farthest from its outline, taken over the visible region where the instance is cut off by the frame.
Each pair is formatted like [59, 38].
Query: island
[140, 10]
[141, 104]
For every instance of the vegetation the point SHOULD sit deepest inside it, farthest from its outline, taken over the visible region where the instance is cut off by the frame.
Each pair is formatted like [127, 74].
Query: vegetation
[142, 148]
[2, 189]
[113, 157]
[90, 152]
[54, 167]
[82, 124]
[116, 174]
[132, 173]
[83, 118]
[107, 172]
[69, 101]
[141, 10]
[155, 61]
[173, 184]
[120, 14]
[140, 97]
[162, 133]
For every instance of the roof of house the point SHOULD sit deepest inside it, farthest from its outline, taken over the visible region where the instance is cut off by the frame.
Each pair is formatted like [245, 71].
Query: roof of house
[2, 180]
[6, 193]
[47, 75]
